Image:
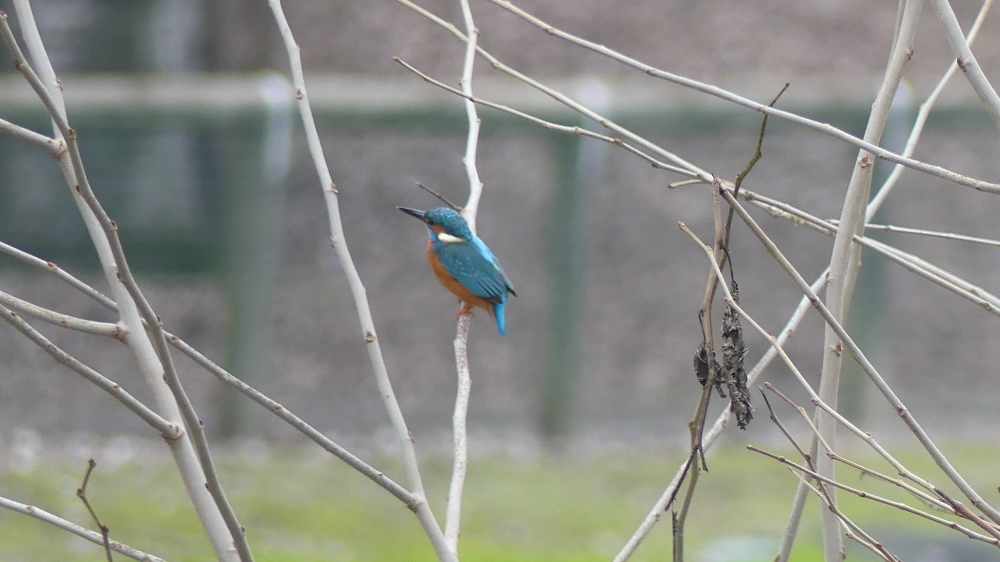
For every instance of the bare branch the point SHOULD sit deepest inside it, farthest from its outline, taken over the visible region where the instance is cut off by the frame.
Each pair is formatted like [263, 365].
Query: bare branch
[933, 273]
[867, 367]
[993, 540]
[275, 408]
[77, 530]
[169, 431]
[930, 233]
[564, 99]
[922, 114]
[48, 144]
[54, 269]
[421, 508]
[966, 60]
[58, 319]
[570, 129]
[715, 91]
[845, 260]
[131, 304]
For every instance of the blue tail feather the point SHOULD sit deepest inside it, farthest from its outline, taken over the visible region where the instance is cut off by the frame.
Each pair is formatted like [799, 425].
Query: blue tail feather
[498, 314]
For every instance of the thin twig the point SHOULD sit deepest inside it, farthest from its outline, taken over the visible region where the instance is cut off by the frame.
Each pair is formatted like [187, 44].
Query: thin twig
[81, 493]
[868, 541]
[930, 233]
[966, 513]
[929, 500]
[440, 197]
[870, 440]
[757, 154]
[851, 529]
[375, 475]
[805, 416]
[784, 431]
[993, 540]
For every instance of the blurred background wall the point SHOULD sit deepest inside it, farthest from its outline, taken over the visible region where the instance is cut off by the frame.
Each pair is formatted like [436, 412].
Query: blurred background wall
[220, 209]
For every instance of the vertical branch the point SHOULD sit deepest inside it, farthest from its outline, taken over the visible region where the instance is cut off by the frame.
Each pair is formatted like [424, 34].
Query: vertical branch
[846, 258]
[802, 492]
[104, 235]
[453, 517]
[358, 291]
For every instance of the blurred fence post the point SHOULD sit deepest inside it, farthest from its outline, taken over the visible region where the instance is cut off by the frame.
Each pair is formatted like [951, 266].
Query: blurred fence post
[256, 189]
[580, 162]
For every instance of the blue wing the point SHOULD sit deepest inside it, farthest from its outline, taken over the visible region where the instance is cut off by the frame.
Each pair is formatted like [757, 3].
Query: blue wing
[475, 267]
[486, 251]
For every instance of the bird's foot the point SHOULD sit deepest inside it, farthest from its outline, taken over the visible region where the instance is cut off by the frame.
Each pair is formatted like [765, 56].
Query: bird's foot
[466, 309]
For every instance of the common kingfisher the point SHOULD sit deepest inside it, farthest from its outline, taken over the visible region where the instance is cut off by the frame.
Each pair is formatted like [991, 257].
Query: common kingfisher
[463, 263]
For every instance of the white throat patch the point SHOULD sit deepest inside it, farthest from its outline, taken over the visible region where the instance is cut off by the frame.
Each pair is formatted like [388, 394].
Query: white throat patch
[449, 239]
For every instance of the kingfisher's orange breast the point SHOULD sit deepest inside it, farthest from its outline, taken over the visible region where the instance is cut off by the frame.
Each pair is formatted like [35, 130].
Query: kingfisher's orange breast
[453, 285]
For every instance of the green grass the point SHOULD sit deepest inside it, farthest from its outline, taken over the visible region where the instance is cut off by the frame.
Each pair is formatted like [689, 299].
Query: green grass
[299, 506]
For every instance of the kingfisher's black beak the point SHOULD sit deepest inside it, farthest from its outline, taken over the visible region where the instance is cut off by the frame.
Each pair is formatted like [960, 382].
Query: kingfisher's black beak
[414, 213]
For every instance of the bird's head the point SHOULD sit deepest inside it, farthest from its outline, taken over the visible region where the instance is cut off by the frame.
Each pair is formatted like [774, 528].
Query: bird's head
[446, 223]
